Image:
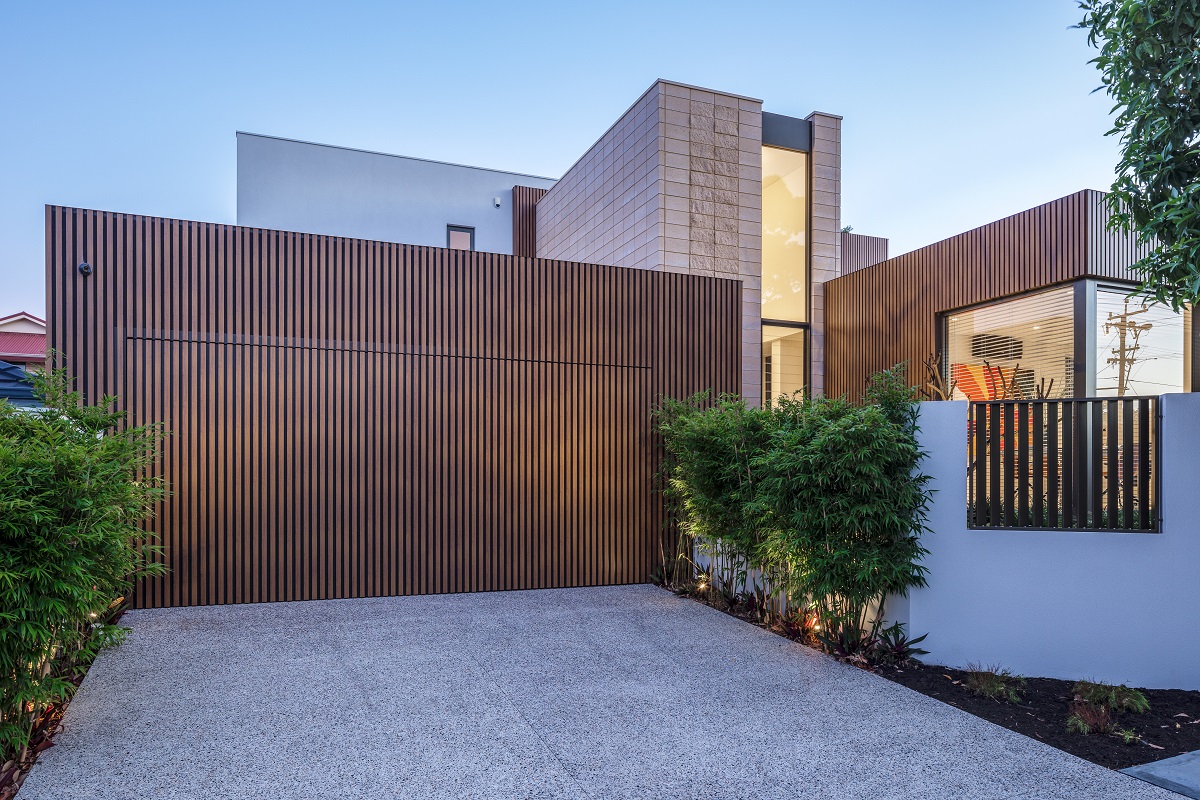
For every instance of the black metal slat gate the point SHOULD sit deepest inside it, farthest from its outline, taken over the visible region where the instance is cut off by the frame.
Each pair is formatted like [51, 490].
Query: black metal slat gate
[1082, 464]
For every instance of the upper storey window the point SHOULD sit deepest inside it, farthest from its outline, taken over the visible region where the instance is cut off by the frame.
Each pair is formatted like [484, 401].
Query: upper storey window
[460, 237]
[785, 207]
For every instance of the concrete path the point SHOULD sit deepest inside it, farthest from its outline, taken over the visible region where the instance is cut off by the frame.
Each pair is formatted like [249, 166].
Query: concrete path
[587, 693]
[1179, 774]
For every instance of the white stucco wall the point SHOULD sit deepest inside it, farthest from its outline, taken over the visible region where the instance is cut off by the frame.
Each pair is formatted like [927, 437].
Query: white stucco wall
[1117, 607]
[299, 186]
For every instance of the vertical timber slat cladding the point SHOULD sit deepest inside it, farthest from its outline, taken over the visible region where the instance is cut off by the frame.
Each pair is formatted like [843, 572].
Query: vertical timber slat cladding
[859, 252]
[882, 315]
[353, 418]
[524, 210]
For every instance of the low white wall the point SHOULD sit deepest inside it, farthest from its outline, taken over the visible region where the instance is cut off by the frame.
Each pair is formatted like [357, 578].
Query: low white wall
[1117, 607]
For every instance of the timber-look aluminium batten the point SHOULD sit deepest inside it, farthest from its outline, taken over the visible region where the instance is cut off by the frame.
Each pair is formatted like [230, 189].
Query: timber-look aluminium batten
[882, 315]
[353, 418]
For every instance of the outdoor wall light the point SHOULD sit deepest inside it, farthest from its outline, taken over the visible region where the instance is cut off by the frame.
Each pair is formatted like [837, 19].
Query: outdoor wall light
[85, 268]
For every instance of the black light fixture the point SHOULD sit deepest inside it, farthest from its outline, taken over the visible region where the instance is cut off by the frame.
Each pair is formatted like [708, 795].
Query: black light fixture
[85, 268]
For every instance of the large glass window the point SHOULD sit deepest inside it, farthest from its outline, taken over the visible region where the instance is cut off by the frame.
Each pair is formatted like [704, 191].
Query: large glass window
[1141, 349]
[1019, 348]
[784, 361]
[784, 235]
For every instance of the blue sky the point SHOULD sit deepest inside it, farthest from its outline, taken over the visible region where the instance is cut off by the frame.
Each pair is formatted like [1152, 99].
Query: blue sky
[956, 113]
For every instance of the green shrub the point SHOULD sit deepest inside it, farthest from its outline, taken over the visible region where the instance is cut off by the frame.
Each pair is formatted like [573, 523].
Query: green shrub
[824, 497]
[710, 481]
[72, 495]
[845, 504]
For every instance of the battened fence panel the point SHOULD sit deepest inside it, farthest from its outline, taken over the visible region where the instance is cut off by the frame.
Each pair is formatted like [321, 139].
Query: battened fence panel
[355, 419]
[1087, 464]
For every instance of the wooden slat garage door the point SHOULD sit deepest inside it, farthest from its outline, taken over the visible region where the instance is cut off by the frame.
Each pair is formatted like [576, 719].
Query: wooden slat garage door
[354, 418]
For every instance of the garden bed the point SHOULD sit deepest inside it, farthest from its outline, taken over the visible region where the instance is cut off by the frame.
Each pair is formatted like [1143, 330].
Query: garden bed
[1171, 727]
[48, 724]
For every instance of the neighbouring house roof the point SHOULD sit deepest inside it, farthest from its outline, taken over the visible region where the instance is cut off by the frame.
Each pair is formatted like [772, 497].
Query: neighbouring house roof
[15, 386]
[22, 322]
[23, 347]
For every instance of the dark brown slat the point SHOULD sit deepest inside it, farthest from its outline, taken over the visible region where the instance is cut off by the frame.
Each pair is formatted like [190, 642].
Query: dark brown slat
[358, 418]
[1022, 411]
[1080, 438]
[995, 421]
[979, 419]
[1095, 421]
[1009, 477]
[524, 209]
[1145, 438]
[860, 251]
[1127, 462]
[1068, 465]
[1111, 487]
[1039, 466]
[1053, 467]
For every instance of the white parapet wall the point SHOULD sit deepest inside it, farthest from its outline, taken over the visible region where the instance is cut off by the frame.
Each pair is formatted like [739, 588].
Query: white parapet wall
[1116, 607]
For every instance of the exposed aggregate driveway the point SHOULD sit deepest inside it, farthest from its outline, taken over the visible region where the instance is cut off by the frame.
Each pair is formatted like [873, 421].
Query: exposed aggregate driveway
[579, 693]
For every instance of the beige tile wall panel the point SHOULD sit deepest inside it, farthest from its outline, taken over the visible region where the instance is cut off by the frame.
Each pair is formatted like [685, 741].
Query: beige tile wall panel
[674, 185]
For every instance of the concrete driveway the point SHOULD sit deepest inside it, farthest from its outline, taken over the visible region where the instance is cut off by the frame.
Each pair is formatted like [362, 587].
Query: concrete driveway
[583, 693]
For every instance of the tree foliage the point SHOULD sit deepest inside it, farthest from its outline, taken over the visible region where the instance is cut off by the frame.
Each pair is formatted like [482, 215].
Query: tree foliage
[73, 492]
[1150, 65]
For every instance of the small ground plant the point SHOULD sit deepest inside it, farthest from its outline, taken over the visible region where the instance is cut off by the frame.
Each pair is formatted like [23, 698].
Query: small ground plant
[995, 682]
[1095, 706]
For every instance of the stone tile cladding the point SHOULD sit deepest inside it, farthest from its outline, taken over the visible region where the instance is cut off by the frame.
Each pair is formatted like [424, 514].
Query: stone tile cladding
[674, 185]
[826, 229]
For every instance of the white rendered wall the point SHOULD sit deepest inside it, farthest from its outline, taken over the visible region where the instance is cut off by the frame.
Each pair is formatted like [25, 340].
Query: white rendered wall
[1117, 607]
[313, 188]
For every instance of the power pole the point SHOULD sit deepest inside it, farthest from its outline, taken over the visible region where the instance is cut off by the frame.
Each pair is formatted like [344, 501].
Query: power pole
[1124, 356]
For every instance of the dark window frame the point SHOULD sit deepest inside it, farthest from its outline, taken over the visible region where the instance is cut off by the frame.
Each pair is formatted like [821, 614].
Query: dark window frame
[808, 264]
[460, 229]
[1078, 328]
[804, 326]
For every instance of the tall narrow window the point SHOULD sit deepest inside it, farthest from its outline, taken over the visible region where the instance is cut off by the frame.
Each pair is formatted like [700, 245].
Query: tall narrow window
[785, 286]
[460, 237]
[784, 235]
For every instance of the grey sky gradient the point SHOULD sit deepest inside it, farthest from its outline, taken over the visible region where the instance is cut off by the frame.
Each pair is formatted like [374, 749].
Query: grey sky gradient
[956, 113]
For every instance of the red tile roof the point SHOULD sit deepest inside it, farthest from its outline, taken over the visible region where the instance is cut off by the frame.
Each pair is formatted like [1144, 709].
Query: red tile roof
[22, 346]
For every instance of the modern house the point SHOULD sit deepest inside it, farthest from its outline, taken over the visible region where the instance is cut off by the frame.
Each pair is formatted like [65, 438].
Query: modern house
[1036, 304]
[688, 180]
[457, 365]
[707, 183]
[400, 376]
